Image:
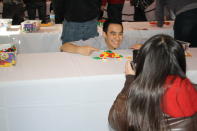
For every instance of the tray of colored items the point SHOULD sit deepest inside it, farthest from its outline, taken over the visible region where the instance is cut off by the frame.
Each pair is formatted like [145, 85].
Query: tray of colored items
[46, 24]
[7, 55]
[31, 26]
[108, 54]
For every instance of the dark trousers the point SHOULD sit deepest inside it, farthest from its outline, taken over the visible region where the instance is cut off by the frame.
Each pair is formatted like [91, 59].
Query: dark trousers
[100, 15]
[59, 15]
[32, 7]
[14, 12]
[114, 11]
[139, 14]
[185, 27]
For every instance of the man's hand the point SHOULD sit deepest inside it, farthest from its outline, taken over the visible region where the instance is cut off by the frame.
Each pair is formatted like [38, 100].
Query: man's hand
[136, 46]
[83, 50]
[87, 50]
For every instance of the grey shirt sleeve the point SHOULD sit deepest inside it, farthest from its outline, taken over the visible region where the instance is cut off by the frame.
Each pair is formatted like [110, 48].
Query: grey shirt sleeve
[129, 41]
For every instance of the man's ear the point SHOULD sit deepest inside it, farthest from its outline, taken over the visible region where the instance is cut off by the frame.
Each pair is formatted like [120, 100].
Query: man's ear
[104, 34]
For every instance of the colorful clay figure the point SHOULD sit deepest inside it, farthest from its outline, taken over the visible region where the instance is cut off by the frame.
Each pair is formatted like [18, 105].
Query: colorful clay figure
[108, 54]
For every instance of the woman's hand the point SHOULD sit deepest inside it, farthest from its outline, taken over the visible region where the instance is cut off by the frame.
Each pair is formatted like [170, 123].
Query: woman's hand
[128, 69]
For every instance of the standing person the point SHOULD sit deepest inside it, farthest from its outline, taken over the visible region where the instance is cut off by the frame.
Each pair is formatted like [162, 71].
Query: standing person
[58, 10]
[185, 25]
[80, 18]
[33, 5]
[51, 6]
[157, 95]
[114, 9]
[13, 9]
[139, 13]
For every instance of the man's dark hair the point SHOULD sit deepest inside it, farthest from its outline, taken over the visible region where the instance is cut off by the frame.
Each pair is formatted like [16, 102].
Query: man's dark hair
[108, 22]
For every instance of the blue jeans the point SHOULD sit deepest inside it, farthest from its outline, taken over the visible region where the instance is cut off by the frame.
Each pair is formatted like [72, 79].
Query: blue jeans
[74, 31]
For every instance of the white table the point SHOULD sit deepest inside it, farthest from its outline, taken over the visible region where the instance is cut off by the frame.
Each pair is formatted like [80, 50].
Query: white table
[48, 38]
[146, 30]
[63, 91]
[45, 40]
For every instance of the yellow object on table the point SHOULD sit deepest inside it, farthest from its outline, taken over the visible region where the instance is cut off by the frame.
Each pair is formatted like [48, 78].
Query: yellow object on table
[46, 25]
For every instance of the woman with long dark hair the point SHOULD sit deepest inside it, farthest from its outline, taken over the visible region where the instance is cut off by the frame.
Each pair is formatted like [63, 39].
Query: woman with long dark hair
[157, 96]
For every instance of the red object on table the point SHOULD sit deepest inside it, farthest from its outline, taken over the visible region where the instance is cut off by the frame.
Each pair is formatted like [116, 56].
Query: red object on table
[155, 22]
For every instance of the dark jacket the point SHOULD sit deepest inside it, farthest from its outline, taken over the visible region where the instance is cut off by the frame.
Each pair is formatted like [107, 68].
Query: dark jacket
[13, 1]
[104, 2]
[118, 114]
[76, 10]
[32, 1]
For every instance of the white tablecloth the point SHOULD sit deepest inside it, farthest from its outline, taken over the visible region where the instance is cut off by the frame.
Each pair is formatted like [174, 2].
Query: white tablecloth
[146, 30]
[63, 91]
[48, 38]
[45, 40]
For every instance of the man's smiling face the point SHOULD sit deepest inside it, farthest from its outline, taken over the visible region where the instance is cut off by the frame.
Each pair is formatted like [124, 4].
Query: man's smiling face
[113, 36]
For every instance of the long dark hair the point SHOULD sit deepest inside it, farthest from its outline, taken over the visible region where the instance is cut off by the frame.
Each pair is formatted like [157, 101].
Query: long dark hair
[158, 58]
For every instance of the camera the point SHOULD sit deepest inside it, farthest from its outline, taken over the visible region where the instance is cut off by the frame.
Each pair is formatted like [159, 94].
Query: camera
[135, 53]
[133, 63]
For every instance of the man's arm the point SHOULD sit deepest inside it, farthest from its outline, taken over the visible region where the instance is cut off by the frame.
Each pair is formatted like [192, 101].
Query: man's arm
[83, 50]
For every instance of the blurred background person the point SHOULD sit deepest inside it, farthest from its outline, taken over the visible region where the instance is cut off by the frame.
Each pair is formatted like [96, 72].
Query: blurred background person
[79, 18]
[32, 6]
[51, 6]
[114, 9]
[59, 12]
[13, 9]
[185, 25]
[139, 13]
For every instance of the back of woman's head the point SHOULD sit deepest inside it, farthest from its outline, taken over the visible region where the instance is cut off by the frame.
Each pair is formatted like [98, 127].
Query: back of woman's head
[158, 58]
[161, 55]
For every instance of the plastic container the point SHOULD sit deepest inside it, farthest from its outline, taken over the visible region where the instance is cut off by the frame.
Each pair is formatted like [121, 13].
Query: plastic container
[52, 17]
[7, 55]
